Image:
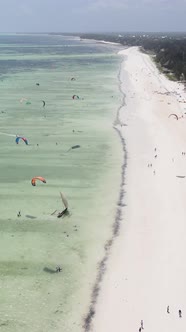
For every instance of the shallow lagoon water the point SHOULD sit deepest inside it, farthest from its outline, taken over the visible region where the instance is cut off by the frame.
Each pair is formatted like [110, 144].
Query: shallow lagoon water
[33, 297]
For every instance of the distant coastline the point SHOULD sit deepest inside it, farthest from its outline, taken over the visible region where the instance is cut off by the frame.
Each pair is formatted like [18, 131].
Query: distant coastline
[102, 41]
[168, 49]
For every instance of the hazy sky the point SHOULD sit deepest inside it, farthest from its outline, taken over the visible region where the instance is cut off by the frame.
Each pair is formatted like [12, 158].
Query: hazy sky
[92, 15]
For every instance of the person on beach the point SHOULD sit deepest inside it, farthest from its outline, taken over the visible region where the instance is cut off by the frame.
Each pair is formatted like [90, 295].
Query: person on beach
[180, 313]
[140, 329]
[168, 309]
[19, 214]
[142, 325]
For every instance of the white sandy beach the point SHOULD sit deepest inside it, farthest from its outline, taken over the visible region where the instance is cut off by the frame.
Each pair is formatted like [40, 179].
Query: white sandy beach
[146, 271]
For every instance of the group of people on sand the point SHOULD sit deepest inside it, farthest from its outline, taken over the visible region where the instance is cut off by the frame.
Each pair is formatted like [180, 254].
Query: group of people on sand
[168, 311]
[150, 165]
[179, 312]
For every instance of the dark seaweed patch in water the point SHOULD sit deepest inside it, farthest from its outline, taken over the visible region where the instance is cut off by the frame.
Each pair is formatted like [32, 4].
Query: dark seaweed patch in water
[49, 45]
[30, 217]
[17, 66]
[49, 270]
[6, 323]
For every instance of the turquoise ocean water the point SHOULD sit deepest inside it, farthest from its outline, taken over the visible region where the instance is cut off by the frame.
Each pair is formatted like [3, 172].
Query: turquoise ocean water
[32, 296]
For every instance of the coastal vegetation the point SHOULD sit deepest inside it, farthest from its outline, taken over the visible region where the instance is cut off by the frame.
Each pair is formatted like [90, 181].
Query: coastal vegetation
[169, 50]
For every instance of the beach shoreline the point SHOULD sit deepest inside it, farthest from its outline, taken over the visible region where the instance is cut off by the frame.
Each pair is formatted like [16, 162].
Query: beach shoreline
[144, 269]
[102, 265]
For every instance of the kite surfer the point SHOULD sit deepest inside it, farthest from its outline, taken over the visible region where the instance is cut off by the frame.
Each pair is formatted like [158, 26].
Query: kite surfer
[65, 202]
[60, 214]
[58, 268]
[19, 214]
[65, 211]
[75, 97]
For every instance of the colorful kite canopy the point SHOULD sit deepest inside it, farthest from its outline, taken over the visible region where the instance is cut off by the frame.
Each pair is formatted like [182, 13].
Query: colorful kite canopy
[40, 178]
[18, 138]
